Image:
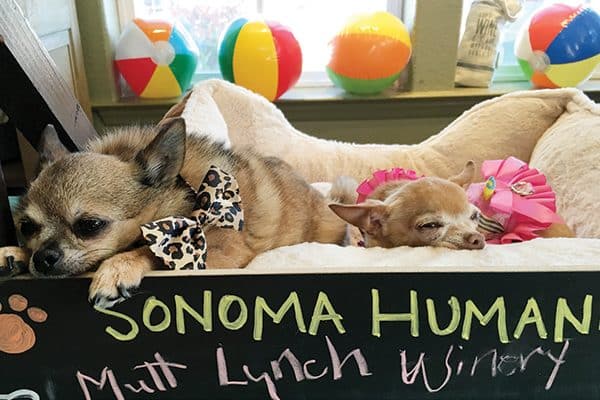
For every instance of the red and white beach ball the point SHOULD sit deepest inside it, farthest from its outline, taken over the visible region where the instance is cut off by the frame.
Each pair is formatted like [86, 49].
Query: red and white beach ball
[156, 58]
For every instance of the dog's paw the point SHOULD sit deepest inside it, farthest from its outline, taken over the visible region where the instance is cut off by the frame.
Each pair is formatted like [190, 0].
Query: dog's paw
[13, 261]
[116, 280]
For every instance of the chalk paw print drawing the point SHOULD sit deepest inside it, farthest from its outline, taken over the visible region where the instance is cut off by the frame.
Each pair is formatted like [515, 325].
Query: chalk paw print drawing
[16, 335]
[23, 394]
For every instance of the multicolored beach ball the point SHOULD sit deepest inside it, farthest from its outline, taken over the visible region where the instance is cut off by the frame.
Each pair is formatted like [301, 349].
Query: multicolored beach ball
[262, 56]
[560, 47]
[369, 53]
[156, 58]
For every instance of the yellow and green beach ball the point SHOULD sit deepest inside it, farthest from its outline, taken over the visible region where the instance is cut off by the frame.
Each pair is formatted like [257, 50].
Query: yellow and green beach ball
[369, 53]
[262, 56]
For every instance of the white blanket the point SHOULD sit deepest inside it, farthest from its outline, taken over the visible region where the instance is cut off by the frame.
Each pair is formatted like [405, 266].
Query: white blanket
[533, 255]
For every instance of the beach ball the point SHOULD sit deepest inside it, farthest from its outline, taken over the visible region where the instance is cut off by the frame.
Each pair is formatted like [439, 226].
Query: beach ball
[369, 53]
[262, 56]
[156, 58]
[560, 47]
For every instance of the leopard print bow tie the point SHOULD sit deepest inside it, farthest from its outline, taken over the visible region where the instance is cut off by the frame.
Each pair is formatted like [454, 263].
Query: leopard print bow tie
[179, 241]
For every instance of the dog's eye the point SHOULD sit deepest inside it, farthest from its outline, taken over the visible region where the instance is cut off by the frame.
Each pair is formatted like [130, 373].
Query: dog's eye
[475, 216]
[88, 227]
[28, 227]
[430, 225]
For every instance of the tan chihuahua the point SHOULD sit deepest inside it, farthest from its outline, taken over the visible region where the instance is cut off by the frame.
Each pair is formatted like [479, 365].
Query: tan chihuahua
[84, 210]
[426, 212]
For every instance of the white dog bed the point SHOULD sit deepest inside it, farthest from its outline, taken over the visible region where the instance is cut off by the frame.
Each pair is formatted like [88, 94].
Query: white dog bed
[532, 255]
[557, 131]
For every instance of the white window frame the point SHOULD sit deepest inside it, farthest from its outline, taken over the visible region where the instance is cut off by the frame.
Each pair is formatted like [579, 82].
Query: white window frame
[400, 8]
[126, 12]
[126, 9]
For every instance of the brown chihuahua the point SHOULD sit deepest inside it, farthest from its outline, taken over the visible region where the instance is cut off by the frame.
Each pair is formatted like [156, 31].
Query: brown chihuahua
[84, 210]
[425, 212]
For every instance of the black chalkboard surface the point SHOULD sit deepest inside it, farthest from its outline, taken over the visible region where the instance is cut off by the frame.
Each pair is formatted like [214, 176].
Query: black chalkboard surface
[520, 335]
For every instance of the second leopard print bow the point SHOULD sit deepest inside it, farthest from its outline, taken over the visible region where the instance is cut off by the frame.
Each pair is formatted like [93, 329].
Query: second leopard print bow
[180, 241]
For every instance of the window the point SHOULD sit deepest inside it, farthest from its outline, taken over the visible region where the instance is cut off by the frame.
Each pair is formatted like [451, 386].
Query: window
[313, 23]
[508, 67]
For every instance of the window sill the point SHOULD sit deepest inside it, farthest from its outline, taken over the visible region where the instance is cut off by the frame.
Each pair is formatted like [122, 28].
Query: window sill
[330, 93]
[336, 94]
[333, 104]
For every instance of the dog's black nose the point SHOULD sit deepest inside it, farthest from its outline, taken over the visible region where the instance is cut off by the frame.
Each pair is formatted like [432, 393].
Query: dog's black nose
[46, 258]
[474, 241]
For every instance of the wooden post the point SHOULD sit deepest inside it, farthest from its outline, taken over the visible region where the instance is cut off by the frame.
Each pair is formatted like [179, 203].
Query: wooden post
[435, 42]
[33, 95]
[32, 92]
[7, 228]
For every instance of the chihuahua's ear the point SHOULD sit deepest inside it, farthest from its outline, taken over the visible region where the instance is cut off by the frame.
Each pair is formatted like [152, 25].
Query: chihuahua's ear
[369, 216]
[50, 147]
[466, 176]
[162, 160]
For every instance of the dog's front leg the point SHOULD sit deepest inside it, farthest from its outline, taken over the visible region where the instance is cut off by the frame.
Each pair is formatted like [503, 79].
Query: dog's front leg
[227, 249]
[118, 275]
[13, 261]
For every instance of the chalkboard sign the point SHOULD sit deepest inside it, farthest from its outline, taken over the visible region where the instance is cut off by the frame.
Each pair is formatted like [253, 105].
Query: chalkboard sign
[329, 336]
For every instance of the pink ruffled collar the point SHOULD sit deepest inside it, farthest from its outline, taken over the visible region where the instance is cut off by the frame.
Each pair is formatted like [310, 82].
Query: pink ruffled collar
[380, 177]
